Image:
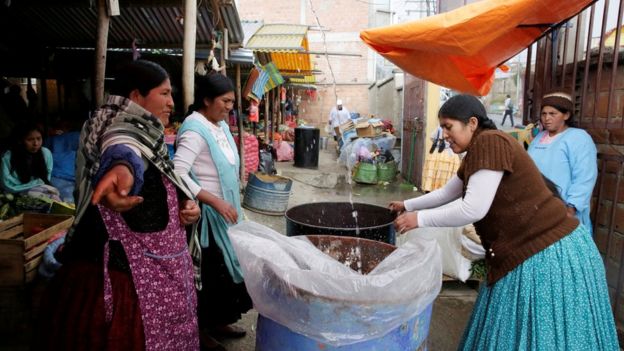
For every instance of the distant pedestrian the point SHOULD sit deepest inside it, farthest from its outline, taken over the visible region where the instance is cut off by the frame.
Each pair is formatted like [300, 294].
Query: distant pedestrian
[508, 111]
[337, 116]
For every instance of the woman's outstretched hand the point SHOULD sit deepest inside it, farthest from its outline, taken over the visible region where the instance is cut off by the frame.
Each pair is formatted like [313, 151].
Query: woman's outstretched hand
[113, 189]
[189, 212]
[397, 206]
[406, 221]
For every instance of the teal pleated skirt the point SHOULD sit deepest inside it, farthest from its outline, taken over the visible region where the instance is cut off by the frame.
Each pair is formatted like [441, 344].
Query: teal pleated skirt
[555, 300]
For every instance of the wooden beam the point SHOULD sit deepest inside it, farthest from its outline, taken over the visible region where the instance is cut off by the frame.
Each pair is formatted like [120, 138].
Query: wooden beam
[266, 116]
[224, 50]
[241, 130]
[188, 55]
[100, 52]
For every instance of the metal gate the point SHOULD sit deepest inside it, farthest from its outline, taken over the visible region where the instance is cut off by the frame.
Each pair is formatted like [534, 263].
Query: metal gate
[582, 57]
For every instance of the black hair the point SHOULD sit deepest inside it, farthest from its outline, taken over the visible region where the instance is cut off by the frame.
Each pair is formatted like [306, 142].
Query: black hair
[140, 74]
[462, 107]
[554, 189]
[25, 164]
[570, 122]
[209, 87]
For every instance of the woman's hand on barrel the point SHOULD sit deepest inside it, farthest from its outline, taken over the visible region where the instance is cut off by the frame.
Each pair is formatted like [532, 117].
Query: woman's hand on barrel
[113, 188]
[189, 212]
[227, 211]
[397, 206]
[406, 221]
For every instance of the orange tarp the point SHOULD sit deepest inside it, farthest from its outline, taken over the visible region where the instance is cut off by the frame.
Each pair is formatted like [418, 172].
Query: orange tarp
[461, 49]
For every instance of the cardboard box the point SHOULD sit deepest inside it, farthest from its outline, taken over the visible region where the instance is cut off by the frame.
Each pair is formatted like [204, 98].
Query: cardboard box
[347, 126]
[367, 129]
[22, 242]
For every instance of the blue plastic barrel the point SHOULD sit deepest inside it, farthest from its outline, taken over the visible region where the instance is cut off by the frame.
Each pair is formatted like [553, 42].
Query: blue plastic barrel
[267, 194]
[410, 336]
[340, 317]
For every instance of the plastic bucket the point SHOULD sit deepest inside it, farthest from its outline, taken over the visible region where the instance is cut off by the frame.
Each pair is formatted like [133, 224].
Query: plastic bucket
[267, 194]
[273, 336]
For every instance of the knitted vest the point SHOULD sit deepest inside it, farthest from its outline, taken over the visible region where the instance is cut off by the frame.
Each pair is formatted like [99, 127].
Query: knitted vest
[525, 217]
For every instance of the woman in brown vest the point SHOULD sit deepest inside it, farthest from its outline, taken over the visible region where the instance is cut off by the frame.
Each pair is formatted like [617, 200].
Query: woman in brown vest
[546, 287]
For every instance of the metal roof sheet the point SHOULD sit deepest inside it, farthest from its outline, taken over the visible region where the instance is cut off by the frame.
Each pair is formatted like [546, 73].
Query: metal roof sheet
[76, 26]
[279, 37]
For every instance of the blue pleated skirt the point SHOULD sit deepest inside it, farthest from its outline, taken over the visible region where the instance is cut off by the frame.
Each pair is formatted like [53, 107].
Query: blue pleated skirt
[555, 300]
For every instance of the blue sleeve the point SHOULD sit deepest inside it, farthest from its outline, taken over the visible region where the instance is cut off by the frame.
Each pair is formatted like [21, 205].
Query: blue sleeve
[49, 161]
[584, 170]
[121, 154]
[10, 180]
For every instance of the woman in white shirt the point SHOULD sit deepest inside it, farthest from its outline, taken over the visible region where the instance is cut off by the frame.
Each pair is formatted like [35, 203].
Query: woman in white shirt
[206, 159]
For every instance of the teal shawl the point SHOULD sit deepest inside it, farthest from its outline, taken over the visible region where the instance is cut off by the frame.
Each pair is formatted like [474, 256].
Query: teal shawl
[228, 179]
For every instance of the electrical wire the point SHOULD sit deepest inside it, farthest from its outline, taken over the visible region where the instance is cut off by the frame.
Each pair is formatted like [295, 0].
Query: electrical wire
[318, 23]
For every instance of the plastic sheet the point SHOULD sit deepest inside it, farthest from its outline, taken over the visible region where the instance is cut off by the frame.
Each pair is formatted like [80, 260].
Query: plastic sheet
[302, 288]
[351, 152]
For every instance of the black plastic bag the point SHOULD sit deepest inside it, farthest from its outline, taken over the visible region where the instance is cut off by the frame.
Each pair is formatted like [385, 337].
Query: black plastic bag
[267, 163]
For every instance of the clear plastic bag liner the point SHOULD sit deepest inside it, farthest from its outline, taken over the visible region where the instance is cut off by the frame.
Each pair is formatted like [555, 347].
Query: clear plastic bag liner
[295, 284]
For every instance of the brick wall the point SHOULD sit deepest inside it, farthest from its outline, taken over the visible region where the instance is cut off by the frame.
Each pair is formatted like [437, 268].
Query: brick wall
[342, 20]
[316, 110]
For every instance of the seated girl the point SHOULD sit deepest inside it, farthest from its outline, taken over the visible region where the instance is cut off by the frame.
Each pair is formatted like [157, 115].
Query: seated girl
[27, 165]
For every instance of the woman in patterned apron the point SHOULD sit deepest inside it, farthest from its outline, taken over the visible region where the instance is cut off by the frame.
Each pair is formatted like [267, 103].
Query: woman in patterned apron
[127, 277]
[206, 159]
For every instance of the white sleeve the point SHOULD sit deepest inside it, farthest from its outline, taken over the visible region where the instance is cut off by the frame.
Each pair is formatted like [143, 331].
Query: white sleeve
[449, 192]
[480, 192]
[186, 153]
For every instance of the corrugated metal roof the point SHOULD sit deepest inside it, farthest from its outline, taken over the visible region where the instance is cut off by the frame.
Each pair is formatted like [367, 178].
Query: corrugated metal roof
[303, 80]
[278, 37]
[229, 14]
[283, 45]
[76, 26]
[241, 56]
[250, 28]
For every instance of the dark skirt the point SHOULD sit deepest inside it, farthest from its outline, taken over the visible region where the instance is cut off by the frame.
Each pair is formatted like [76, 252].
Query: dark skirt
[221, 301]
[72, 311]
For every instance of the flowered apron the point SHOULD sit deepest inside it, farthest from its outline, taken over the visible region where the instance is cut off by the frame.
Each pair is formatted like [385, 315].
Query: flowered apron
[162, 274]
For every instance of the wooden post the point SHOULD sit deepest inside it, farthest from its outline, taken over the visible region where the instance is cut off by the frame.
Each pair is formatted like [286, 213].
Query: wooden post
[278, 108]
[100, 52]
[272, 115]
[241, 130]
[266, 116]
[188, 55]
[225, 43]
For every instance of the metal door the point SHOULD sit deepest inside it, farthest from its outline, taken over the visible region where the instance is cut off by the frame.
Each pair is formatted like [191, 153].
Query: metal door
[414, 122]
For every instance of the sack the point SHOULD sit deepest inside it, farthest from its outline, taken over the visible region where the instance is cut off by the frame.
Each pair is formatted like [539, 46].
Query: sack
[454, 264]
